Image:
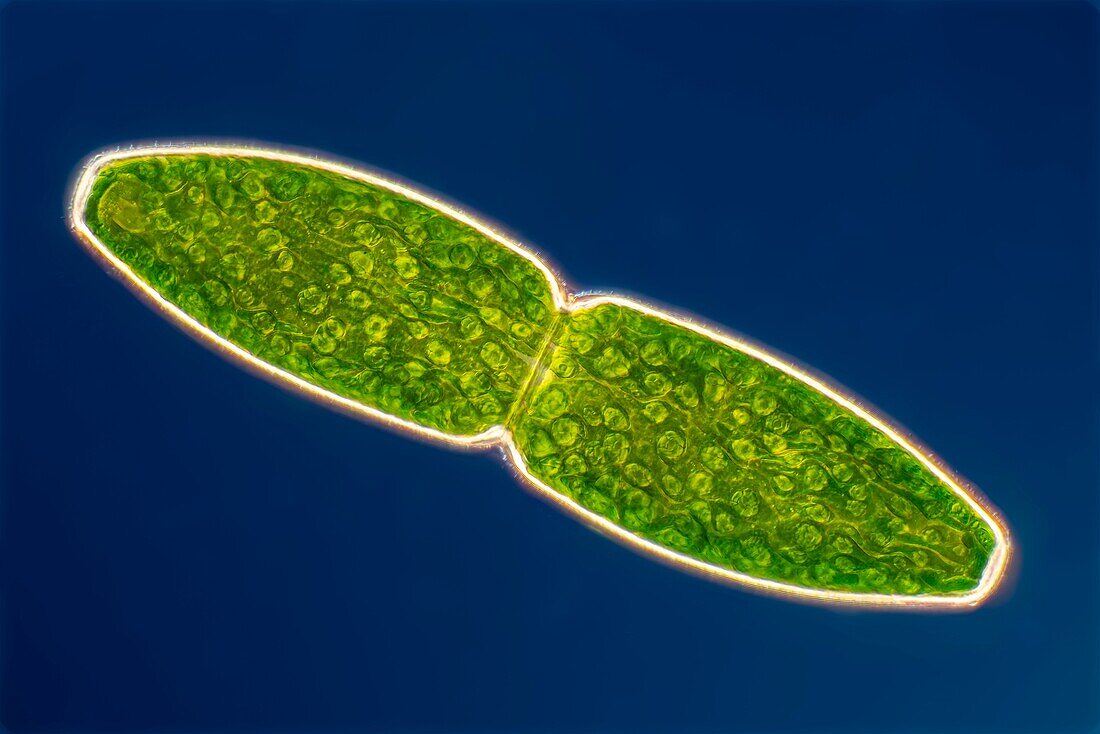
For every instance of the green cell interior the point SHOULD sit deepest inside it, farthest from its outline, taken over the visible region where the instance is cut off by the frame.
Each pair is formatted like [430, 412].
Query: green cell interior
[358, 290]
[679, 439]
[713, 453]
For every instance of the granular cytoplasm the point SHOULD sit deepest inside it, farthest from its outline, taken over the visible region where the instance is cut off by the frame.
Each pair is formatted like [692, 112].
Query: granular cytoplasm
[361, 292]
[707, 451]
[681, 441]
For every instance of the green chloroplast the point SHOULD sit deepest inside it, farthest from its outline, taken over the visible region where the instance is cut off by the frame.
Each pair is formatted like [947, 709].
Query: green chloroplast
[684, 443]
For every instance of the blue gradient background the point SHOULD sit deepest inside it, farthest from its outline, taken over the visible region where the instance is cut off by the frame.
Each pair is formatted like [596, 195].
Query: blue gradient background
[902, 195]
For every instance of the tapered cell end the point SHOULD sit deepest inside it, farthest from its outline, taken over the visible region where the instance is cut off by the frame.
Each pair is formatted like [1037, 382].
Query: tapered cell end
[715, 455]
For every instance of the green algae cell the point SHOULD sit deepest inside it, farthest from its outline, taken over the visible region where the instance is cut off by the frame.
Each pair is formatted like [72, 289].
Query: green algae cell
[714, 454]
[676, 440]
[362, 292]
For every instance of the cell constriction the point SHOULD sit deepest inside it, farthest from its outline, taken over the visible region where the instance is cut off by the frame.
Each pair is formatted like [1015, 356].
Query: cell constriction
[684, 442]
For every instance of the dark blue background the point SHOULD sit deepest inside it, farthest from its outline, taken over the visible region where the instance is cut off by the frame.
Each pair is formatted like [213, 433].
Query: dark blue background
[902, 195]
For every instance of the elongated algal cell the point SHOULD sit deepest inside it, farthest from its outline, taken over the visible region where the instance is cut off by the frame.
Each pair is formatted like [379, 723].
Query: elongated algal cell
[362, 292]
[707, 451]
[683, 442]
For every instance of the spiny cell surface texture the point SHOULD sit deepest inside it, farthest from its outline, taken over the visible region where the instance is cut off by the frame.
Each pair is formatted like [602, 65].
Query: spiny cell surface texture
[720, 456]
[680, 440]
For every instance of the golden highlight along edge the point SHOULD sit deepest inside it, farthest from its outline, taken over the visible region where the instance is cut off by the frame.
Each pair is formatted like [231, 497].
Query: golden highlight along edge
[501, 436]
